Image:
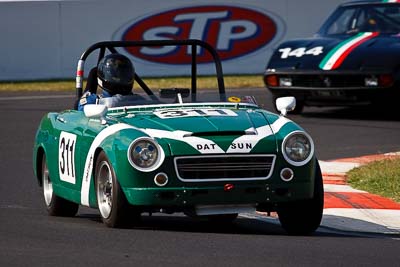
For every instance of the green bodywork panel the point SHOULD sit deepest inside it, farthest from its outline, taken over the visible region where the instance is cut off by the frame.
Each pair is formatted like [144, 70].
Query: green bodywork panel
[66, 139]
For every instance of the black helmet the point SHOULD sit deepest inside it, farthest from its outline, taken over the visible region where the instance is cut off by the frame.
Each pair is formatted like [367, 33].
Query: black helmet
[116, 74]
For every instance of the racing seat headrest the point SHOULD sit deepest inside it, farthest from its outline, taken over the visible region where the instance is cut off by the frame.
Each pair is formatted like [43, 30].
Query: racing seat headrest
[91, 83]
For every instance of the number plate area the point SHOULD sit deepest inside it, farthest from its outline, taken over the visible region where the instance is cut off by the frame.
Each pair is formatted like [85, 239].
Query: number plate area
[224, 209]
[329, 94]
[66, 157]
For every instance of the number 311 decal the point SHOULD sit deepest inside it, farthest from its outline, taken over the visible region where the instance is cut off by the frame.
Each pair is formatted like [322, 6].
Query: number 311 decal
[180, 113]
[66, 157]
[301, 51]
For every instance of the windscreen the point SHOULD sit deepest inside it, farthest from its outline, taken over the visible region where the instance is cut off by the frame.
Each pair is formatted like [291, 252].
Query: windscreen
[173, 96]
[383, 18]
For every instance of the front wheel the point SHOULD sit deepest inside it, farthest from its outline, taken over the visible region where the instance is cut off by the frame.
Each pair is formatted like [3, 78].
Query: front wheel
[114, 208]
[55, 205]
[304, 217]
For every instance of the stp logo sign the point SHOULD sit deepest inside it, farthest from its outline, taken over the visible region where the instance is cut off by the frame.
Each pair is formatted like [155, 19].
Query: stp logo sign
[233, 31]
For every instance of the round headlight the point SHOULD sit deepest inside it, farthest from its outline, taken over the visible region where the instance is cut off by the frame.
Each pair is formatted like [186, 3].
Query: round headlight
[298, 148]
[145, 154]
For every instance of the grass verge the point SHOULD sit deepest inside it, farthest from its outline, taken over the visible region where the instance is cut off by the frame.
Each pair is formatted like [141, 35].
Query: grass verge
[379, 177]
[239, 81]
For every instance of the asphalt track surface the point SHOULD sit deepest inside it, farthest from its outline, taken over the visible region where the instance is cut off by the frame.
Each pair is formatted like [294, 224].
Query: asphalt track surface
[28, 237]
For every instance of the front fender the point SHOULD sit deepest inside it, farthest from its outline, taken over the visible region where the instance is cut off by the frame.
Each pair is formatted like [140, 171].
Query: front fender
[42, 141]
[117, 152]
[115, 146]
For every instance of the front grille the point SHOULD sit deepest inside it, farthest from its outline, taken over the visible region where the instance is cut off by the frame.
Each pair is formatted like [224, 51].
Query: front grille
[328, 81]
[224, 167]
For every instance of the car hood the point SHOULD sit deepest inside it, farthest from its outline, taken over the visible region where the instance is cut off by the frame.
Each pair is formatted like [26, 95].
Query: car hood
[210, 130]
[364, 51]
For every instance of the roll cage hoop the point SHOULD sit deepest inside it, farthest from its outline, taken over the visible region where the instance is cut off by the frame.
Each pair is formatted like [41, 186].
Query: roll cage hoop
[111, 45]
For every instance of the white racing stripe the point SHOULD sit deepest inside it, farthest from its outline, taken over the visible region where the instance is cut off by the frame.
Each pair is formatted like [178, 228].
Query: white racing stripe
[252, 140]
[175, 135]
[87, 174]
[279, 123]
[243, 144]
[202, 145]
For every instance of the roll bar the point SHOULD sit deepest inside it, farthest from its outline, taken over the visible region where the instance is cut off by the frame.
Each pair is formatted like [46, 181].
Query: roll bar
[111, 45]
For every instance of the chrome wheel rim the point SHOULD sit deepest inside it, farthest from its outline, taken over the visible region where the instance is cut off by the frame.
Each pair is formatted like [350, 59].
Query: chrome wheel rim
[104, 189]
[47, 185]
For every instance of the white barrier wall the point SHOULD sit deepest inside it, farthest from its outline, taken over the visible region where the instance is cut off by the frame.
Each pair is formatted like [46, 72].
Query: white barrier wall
[44, 39]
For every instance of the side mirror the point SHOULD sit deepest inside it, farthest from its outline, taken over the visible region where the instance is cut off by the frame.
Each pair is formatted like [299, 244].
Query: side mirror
[95, 111]
[285, 104]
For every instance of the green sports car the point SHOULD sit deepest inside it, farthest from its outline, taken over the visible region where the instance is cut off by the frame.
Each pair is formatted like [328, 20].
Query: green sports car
[207, 153]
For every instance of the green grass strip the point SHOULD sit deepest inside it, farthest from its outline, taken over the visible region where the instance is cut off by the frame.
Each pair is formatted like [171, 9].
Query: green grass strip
[239, 81]
[380, 178]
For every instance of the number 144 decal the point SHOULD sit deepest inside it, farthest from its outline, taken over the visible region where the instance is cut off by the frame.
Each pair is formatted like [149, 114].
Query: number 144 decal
[301, 51]
[66, 157]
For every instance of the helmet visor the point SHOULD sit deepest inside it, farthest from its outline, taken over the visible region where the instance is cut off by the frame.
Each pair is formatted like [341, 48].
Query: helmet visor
[119, 71]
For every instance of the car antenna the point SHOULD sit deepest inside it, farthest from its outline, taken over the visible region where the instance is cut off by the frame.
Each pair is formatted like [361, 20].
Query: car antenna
[180, 98]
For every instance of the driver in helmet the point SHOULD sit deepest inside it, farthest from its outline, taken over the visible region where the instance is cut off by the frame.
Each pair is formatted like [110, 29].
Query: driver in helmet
[115, 76]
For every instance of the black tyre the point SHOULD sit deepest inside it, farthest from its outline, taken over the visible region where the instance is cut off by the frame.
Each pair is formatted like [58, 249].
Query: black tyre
[114, 208]
[55, 205]
[304, 217]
